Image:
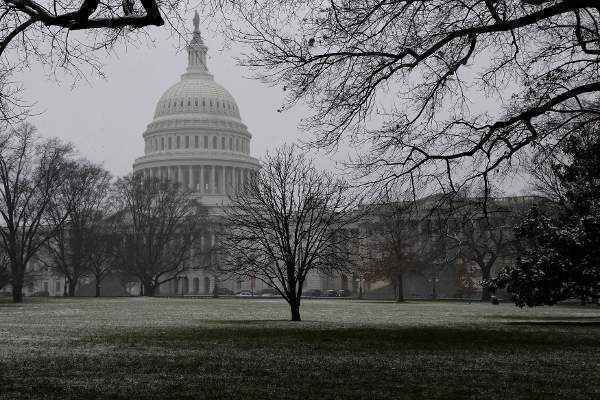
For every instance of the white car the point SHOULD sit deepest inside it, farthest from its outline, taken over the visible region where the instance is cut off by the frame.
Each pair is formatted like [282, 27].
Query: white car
[245, 293]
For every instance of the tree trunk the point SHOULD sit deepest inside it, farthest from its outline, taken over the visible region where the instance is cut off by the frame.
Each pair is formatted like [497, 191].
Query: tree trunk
[72, 287]
[97, 288]
[486, 293]
[17, 283]
[295, 310]
[399, 288]
[216, 289]
[17, 292]
[148, 289]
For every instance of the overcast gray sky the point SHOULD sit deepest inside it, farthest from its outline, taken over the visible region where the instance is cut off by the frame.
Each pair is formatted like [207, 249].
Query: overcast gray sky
[105, 119]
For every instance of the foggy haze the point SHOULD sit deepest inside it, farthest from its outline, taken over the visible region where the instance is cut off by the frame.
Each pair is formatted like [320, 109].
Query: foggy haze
[105, 119]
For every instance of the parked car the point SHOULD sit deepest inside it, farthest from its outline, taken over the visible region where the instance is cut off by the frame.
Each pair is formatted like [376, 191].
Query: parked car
[246, 293]
[331, 293]
[343, 293]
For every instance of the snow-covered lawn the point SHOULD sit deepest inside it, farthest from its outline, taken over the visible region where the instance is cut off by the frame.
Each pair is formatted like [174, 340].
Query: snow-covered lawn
[245, 348]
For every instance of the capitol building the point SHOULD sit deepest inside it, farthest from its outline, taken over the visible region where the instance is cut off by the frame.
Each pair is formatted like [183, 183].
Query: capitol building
[197, 136]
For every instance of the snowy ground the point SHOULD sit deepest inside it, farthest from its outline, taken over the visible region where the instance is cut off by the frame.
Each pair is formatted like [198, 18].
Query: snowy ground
[243, 348]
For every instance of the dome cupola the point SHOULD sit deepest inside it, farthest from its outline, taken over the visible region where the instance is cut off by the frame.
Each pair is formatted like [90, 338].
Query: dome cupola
[197, 91]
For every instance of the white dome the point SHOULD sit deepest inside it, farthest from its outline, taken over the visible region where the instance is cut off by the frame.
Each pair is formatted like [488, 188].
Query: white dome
[197, 93]
[197, 137]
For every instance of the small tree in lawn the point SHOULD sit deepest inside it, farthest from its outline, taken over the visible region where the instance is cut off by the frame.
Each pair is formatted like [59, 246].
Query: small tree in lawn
[77, 241]
[288, 221]
[31, 175]
[393, 246]
[483, 232]
[159, 227]
[101, 262]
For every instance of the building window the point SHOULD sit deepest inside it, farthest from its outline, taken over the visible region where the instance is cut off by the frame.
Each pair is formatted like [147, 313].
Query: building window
[196, 102]
[196, 141]
[231, 144]
[237, 144]
[178, 141]
[187, 142]
[162, 143]
[206, 142]
[223, 146]
[170, 143]
[214, 142]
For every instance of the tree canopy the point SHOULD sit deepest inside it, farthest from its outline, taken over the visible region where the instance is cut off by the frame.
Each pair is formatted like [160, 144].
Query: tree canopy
[72, 36]
[446, 90]
[561, 259]
[290, 220]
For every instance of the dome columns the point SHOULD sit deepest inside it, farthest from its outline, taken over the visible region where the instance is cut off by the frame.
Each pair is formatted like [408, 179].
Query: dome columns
[211, 179]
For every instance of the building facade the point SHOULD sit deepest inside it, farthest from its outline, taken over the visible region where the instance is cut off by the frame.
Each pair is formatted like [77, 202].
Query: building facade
[197, 138]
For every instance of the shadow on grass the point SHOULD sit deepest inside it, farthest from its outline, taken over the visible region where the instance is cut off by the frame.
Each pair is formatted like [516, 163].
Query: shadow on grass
[546, 317]
[547, 320]
[253, 334]
[252, 361]
[556, 323]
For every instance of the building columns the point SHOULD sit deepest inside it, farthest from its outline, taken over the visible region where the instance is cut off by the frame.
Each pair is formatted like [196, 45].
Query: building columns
[193, 182]
[223, 191]
[180, 175]
[211, 179]
[201, 188]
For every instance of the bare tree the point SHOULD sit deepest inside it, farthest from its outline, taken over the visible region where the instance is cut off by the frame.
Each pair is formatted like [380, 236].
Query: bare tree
[436, 248]
[446, 89]
[72, 37]
[394, 245]
[77, 246]
[288, 221]
[159, 226]
[4, 269]
[101, 262]
[483, 237]
[31, 175]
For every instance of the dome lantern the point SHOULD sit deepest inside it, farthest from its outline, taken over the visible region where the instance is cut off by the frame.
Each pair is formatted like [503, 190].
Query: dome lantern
[196, 52]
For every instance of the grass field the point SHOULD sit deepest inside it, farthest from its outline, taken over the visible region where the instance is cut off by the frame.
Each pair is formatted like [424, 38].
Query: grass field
[140, 348]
